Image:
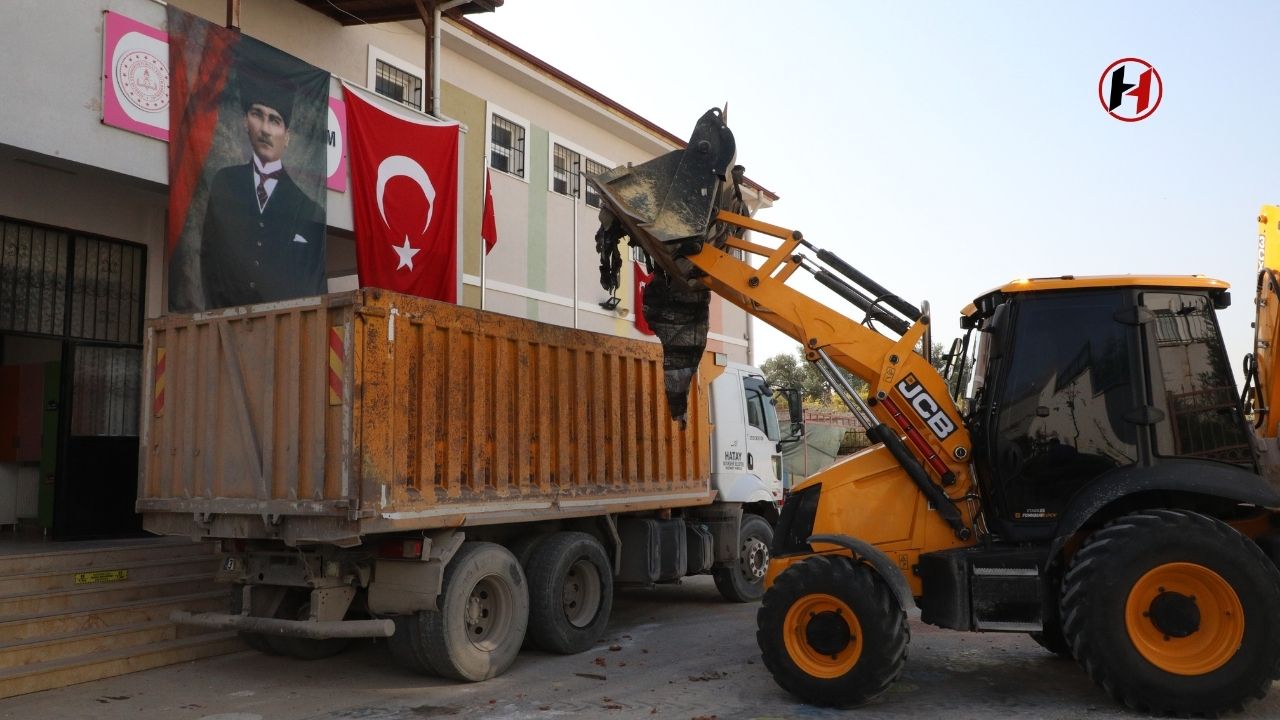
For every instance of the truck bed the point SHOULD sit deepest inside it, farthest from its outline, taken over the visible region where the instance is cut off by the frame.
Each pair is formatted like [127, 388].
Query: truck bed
[326, 419]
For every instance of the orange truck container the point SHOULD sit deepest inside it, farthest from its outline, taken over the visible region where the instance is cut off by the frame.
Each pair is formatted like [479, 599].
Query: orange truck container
[373, 463]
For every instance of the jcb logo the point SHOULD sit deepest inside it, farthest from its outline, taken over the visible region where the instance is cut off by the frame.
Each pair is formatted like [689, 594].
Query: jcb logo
[926, 407]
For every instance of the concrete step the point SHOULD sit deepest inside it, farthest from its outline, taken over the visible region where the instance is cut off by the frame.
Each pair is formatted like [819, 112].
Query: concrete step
[131, 570]
[100, 595]
[50, 624]
[106, 555]
[110, 663]
[86, 643]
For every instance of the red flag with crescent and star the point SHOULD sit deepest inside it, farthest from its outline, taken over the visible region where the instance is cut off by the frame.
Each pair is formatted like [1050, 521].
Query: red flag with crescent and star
[404, 197]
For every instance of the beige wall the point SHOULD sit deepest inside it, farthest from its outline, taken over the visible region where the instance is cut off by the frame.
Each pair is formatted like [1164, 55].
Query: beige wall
[111, 182]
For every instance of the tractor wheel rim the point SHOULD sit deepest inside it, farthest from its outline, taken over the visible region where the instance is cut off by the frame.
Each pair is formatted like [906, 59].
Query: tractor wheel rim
[1184, 618]
[803, 617]
[582, 592]
[487, 615]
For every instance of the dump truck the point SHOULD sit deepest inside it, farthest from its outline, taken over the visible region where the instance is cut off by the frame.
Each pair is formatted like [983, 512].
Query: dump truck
[1100, 484]
[459, 481]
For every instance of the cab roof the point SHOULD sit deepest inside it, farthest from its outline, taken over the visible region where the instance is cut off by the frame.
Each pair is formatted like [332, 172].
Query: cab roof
[1072, 282]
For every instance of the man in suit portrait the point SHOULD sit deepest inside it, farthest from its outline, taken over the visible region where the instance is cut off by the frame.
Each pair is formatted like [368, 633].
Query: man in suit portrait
[263, 238]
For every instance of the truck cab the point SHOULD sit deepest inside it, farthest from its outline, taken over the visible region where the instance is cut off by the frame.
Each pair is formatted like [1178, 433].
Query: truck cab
[746, 465]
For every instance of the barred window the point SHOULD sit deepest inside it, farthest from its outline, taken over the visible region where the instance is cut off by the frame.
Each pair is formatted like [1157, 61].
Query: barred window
[506, 147]
[594, 168]
[567, 166]
[399, 85]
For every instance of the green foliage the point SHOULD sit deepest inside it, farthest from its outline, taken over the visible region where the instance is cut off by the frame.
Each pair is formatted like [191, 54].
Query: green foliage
[794, 371]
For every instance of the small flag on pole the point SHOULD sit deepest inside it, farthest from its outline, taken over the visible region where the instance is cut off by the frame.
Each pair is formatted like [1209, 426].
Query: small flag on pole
[488, 225]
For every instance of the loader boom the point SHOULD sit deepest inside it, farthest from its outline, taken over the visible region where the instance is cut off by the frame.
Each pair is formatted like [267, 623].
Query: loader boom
[697, 244]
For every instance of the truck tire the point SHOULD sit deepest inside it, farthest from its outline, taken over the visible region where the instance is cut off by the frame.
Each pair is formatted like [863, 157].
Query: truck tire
[832, 633]
[1156, 605]
[744, 580]
[570, 593]
[484, 610]
[297, 606]
[255, 641]
[406, 645]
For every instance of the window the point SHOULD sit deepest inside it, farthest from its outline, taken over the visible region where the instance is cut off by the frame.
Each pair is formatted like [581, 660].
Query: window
[506, 145]
[393, 78]
[594, 168]
[390, 81]
[1199, 389]
[760, 411]
[565, 172]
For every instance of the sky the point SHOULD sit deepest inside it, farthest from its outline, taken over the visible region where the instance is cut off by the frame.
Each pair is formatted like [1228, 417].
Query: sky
[947, 148]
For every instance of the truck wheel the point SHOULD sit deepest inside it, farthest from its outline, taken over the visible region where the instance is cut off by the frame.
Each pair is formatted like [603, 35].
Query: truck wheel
[406, 645]
[255, 641]
[484, 610]
[297, 606]
[744, 580]
[570, 593]
[1156, 605]
[832, 633]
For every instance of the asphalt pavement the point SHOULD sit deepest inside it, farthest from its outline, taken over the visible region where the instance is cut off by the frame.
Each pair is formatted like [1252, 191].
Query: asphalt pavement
[674, 652]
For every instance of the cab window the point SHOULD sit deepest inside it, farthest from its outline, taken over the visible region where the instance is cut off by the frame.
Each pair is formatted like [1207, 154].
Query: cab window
[760, 411]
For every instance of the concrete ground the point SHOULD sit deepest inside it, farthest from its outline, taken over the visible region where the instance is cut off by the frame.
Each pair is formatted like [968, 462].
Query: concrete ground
[677, 652]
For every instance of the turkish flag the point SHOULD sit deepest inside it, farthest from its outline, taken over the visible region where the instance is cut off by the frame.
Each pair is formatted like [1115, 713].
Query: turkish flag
[488, 223]
[642, 281]
[404, 197]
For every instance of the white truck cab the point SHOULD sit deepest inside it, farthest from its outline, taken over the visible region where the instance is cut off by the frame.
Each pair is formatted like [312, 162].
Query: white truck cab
[746, 466]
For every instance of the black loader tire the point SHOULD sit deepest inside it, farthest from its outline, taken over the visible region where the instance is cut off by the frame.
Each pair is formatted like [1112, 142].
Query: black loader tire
[744, 580]
[832, 633]
[1173, 612]
[484, 610]
[570, 593]
[1051, 639]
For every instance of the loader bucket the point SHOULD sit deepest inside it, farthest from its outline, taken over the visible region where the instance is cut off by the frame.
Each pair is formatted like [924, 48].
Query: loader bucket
[668, 207]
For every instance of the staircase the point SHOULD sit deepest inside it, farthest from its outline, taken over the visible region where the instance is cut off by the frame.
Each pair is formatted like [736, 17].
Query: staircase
[75, 612]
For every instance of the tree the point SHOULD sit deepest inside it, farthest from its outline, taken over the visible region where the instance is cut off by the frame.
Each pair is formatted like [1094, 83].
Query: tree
[794, 371]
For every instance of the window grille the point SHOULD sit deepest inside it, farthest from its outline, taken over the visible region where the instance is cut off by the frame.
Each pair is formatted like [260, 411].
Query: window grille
[566, 171]
[594, 168]
[399, 85]
[56, 283]
[506, 150]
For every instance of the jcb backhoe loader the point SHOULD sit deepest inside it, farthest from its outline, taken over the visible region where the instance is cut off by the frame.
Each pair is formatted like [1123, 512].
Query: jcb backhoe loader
[1097, 484]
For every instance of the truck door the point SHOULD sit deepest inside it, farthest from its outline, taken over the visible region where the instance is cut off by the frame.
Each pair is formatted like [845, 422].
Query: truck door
[746, 465]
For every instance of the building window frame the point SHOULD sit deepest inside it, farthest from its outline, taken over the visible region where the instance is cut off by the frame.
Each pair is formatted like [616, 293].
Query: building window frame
[378, 55]
[522, 125]
[578, 187]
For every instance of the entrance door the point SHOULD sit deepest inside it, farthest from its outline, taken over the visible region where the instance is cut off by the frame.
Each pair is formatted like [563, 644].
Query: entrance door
[88, 293]
[99, 480]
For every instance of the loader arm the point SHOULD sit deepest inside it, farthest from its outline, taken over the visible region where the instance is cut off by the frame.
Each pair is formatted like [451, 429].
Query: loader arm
[1262, 369]
[674, 206]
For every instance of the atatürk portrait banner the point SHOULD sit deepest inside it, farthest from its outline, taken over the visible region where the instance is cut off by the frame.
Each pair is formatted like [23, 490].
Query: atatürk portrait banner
[247, 169]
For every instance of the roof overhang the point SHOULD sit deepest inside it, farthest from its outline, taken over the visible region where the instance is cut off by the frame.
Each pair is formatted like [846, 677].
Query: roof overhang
[371, 12]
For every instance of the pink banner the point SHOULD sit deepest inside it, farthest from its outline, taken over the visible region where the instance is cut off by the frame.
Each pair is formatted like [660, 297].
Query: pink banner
[135, 76]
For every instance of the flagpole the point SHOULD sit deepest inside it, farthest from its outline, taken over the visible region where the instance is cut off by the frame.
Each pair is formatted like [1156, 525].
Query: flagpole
[484, 248]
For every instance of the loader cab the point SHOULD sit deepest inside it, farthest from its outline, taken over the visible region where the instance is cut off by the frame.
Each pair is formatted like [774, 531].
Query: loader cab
[1081, 378]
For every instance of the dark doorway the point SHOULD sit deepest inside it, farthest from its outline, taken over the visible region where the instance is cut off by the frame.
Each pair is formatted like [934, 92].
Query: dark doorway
[89, 293]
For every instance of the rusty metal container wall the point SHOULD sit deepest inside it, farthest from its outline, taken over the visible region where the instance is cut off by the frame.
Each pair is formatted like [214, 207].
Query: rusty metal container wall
[239, 419]
[440, 416]
[467, 410]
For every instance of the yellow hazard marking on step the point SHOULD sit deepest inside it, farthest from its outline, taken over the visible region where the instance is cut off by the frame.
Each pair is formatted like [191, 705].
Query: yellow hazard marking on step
[101, 576]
